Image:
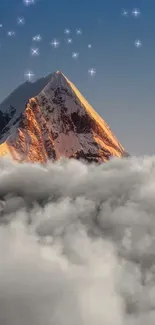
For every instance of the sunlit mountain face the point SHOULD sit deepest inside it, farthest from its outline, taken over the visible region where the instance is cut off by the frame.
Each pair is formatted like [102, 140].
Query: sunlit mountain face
[55, 121]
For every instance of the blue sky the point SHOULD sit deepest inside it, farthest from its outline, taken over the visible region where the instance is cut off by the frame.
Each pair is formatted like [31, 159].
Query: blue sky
[122, 91]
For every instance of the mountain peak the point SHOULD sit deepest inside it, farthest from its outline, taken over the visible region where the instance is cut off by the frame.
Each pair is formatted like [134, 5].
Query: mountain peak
[58, 79]
[58, 72]
[57, 121]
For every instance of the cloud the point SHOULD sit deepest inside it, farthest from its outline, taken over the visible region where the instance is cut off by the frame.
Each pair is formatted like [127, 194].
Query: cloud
[77, 243]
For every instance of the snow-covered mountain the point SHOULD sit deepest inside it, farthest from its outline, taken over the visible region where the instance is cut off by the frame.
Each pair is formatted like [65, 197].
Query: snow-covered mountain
[49, 119]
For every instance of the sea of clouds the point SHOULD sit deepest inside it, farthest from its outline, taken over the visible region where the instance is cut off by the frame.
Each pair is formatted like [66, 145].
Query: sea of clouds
[77, 243]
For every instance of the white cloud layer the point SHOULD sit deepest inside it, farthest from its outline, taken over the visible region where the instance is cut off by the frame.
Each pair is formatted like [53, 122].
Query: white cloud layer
[77, 243]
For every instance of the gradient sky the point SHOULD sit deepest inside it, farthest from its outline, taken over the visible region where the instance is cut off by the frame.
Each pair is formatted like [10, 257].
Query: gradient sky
[122, 91]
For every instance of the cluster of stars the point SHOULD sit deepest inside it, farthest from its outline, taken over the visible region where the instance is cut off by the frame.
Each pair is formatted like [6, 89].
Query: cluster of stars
[20, 21]
[37, 38]
[55, 43]
[135, 13]
[11, 33]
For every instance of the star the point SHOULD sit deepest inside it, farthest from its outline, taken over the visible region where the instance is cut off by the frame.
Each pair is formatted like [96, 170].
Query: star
[11, 33]
[67, 31]
[28, 2]
[55, 43]
[34, 51]
[20, 21]
[135, 12]
[37, 38]
[92, 71]
[125, 12]
[69, 41]
[138, 43]
[89, 46]
[29, 75]
[78, 31]
[75, 55]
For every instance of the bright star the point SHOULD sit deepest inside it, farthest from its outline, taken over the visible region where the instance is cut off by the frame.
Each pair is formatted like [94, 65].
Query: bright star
[125, 12]
[75, 55]
[29, 75]
[92, 71]
[78, 31]
[69, 41]
[67, 31]
[28, 2]
[55, 43]
[89, 46]
[20, 21]
[135, 12]
[138, 43]
[37, 38]
[11, 33]
[35, 52]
